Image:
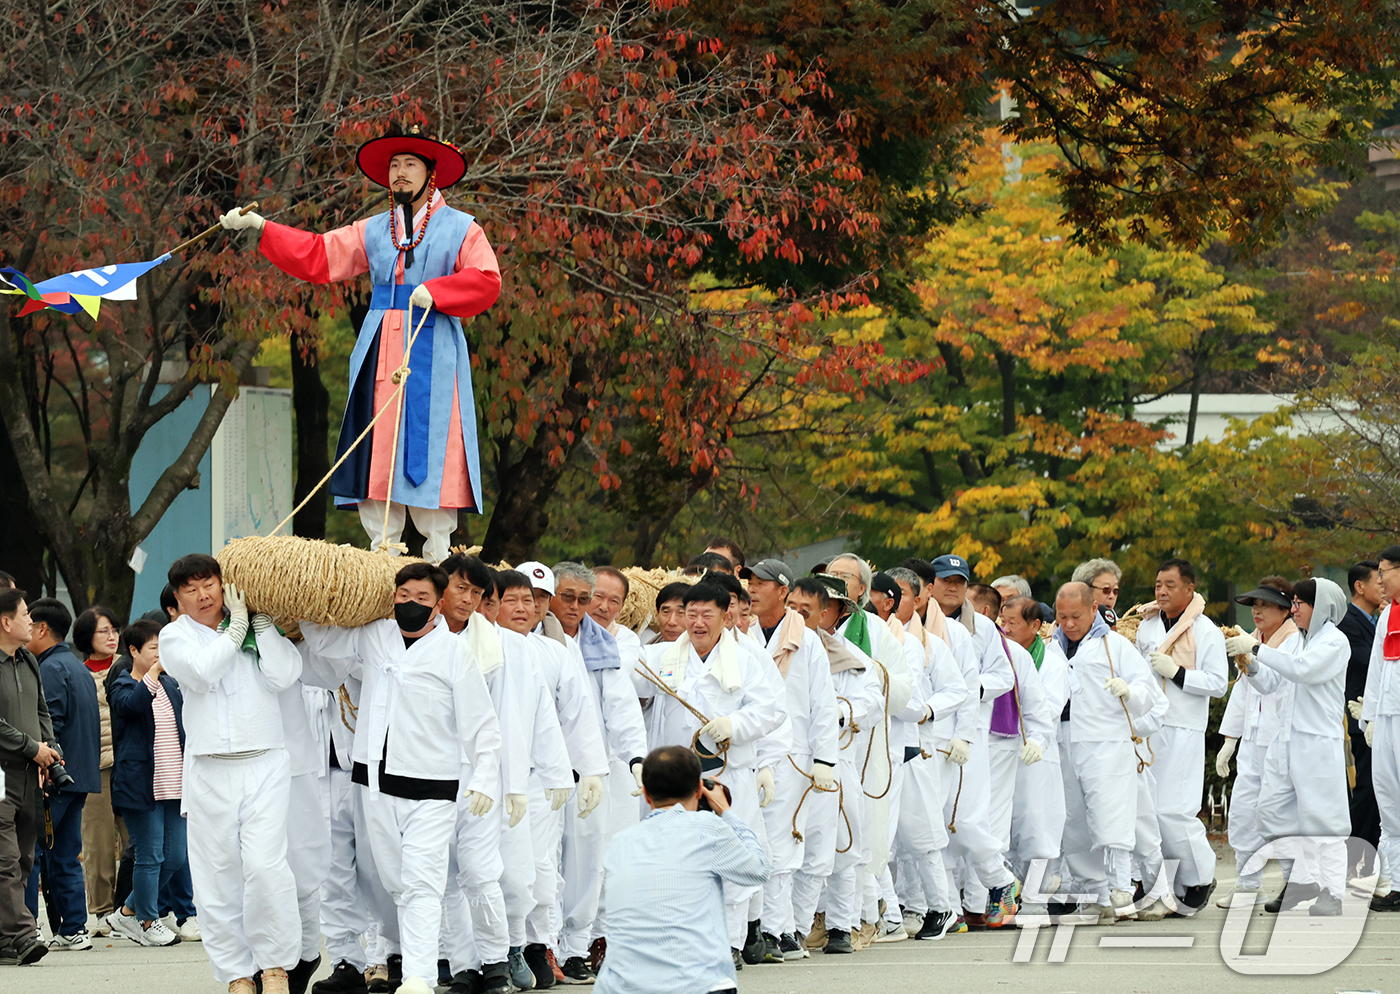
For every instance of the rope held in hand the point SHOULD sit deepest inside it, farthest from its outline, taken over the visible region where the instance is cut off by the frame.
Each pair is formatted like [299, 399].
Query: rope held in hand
[1132, 732]
[839, 791]
[723, 747]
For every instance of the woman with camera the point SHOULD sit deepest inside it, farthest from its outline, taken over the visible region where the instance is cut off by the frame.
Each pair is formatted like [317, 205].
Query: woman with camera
[149, 739]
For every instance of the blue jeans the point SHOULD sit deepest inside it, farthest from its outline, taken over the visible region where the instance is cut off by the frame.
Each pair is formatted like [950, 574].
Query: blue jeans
[60, 867]
[158, 837]
[178, 897]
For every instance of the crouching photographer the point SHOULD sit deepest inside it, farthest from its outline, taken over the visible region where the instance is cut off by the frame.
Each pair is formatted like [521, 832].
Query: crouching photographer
[26, 737]
[663, 884]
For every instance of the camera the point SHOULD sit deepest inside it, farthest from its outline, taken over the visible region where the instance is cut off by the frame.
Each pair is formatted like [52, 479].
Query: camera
[710, 784]
[59, 776]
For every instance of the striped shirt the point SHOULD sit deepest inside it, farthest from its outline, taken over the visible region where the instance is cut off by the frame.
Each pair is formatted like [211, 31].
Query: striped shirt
[663, 881]
[169, 760]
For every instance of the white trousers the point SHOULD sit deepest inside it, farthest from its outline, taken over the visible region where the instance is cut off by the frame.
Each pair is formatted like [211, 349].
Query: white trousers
[243, 887]
[845, 887]
[1147, 837]
[309, 854]
[546, 834]
[921, 832]
[411, 842]
[581, 863]
[1180, 769]
[779, 893]
[1037, 811]
[1100, 809]
[379, 904]
[518, 872]
[1385, 779]
[343, 913]
[1242, 821]
[974, 844]
[474, 886]
[821, 823]
[743, 904]
[436, 524]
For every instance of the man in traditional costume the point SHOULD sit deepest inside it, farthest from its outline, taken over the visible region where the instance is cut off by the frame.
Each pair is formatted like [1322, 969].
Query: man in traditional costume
[422, 256]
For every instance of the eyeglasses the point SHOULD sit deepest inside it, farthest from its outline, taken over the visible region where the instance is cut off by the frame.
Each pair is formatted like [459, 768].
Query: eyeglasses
[1387, 569]
[104, 631]
[1107, 590]
[583, 600]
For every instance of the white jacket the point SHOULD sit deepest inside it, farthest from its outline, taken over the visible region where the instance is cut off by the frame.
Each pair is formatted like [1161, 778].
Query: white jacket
[756, 707]
[1251, 716]
[567, 680]
[231, 700]
[1189, 706]
[810, 699]
[1309, 678]
[1382, 687]
[424, 708]
[1095, 715]
[1038, 723]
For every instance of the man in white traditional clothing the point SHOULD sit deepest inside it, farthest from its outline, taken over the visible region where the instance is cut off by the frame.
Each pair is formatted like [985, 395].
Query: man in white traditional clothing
[237, 775]
[725, 696]
[1378, 712]
[798, 868]
[426, 719]
[1111, 686]
[1187, 652]
[988, 888]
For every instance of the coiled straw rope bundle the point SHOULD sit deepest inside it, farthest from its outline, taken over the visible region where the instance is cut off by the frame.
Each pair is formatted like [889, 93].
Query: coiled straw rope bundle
[295, 579]
[642, 587]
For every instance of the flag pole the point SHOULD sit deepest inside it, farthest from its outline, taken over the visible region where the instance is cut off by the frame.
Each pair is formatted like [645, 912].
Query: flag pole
[207, 232]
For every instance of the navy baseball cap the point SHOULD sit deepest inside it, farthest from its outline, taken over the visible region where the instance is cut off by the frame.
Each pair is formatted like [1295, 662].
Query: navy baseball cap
[952, 566]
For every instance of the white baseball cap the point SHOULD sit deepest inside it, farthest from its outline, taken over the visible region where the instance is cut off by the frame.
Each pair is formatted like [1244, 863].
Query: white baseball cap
[541, 577]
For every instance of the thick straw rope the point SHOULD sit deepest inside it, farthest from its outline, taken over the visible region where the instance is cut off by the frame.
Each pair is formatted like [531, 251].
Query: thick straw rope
[839, 791]
[398, 377]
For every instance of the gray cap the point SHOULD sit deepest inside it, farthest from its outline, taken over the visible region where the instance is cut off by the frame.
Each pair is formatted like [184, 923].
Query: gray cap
[768, 569]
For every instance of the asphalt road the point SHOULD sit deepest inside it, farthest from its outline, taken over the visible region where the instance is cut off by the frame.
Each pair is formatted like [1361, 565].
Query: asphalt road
[1175, 956]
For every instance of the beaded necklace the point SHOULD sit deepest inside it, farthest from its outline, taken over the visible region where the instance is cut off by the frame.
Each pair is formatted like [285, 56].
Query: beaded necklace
[394, 223]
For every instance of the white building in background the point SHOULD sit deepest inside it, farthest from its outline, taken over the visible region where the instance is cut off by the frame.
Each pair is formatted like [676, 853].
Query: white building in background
[1214, 411]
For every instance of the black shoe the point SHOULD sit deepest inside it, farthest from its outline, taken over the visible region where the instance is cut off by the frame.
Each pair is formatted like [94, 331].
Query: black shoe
[395, 965]
[30, 950]
[755, 949]
[1192, 900]
[466, 982]
[772, 948]
[936, 925]
[738, 959]
[838, 940]
[379, 985]
[537, 957]
[576, 971]
[1388, 902]
[444, 972]
[300, 975]
[1291, 896]
[1327, 905]
[344, 979]
[790, 947]
[495, 978]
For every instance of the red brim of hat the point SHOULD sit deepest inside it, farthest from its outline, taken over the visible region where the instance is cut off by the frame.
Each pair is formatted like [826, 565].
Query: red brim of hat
[374, 156]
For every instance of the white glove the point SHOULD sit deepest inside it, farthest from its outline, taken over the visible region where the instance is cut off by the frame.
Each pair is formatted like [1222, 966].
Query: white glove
[959, 751]
[263, 623]
[1354, 708]
[515, 809]
[1222, 758]
[479, 804]
[1370, 732]
[558, 797]
[719, 730]
[637, 775]
[1116, 686]
[590, 795]
[1240, 645]
[767, 789]
[421, 297]
[823, 776]
[1163, 665]
[1031, 753]
[237, 614]
[234, 221]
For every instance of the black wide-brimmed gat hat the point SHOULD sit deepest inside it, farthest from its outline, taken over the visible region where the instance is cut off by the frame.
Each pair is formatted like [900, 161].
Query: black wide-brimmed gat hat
[447, 164]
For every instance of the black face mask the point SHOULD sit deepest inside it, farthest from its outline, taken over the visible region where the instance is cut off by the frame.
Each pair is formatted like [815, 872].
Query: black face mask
[412, 616]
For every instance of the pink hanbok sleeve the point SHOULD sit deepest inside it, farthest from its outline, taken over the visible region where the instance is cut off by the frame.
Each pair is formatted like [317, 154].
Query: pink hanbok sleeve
[337, 255]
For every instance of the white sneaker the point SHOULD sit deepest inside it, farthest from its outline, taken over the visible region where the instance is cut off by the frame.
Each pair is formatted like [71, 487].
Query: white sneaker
[1383, 887]
[99, 926]
[1225, 900]
[68, 943]
[1154, 912]
[891, 932]
[913, 921]
[157, 934]
[1094, 914]
[1123, 905]
[188, 932]
[126, 926]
